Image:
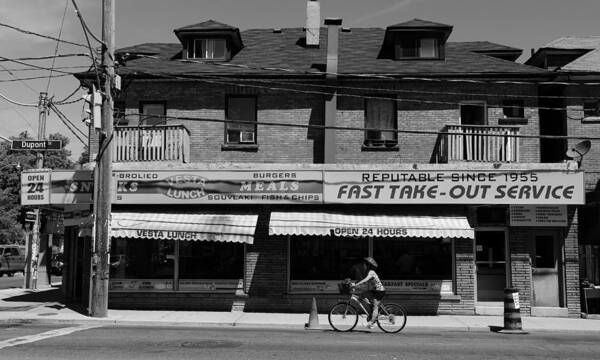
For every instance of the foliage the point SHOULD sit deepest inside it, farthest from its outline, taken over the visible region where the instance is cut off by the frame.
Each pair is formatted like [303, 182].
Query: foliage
[11, 211]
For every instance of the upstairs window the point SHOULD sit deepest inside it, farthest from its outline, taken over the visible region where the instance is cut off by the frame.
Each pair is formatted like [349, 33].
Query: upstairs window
[513, 109]
[207, 49]
[411, 48]
[380, 120]
[591, 108]
[153, 113]
[241, 117]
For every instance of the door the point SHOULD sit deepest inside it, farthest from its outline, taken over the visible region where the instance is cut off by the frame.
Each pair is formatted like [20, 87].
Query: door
[490, 263]
[545, 269]
[472, 117]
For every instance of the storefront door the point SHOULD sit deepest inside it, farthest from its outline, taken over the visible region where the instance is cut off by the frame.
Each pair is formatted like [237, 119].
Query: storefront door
[545, 269]
[490, 261]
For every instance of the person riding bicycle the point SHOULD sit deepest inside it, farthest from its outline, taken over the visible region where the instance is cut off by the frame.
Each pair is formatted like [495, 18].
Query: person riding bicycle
[375, 291]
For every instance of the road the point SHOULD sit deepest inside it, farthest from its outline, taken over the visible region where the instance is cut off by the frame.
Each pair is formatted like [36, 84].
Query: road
[73, 342]
[17, 281]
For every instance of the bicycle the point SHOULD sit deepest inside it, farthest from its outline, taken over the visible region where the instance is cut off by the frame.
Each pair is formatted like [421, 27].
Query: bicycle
[344, 315]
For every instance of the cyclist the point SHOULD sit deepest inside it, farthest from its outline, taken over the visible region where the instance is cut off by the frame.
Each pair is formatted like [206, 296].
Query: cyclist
[375, 290]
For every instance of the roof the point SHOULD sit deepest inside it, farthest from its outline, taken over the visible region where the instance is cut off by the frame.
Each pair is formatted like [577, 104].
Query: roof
[588, 45]
[206, 25]
[358, 54]
[418, 23]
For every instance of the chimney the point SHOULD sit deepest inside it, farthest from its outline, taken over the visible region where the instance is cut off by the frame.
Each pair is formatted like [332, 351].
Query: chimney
[333, 35]
[313, 23]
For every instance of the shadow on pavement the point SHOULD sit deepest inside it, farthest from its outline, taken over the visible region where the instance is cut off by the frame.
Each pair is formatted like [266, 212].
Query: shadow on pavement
[53, 298]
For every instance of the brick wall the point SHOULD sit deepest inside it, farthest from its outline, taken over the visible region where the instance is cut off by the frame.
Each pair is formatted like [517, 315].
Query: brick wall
[520, 266]
[571, 258]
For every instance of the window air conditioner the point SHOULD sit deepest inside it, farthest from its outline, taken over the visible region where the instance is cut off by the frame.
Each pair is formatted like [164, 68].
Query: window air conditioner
[246, 136]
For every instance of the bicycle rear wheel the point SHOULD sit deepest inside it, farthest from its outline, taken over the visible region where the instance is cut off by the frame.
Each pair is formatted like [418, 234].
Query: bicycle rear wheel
[392, 318]
[343, 316]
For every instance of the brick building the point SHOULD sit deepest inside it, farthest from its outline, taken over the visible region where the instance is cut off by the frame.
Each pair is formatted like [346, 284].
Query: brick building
[254, 168]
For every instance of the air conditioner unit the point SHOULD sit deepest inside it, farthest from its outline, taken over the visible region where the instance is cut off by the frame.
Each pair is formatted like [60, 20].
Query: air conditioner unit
[246, 136]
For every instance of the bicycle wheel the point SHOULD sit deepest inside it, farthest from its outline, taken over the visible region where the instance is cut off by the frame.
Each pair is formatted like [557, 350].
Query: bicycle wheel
[392, 318]
[343, 316]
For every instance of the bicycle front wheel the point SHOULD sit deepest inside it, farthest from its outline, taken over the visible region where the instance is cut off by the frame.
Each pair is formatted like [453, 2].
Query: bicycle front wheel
[392, 318]
[343, 316]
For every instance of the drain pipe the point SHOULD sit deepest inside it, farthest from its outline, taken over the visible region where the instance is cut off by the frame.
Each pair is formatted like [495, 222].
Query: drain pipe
[333, 34]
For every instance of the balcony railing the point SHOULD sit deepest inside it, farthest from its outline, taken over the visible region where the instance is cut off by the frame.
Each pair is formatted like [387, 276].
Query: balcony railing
[151, 143]
[480, 143]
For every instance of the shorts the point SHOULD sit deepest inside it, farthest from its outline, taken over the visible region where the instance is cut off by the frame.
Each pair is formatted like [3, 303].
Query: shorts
[375, 294]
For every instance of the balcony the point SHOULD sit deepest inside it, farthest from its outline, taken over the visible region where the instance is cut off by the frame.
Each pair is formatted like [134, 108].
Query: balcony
[151, 143]
[479, 143]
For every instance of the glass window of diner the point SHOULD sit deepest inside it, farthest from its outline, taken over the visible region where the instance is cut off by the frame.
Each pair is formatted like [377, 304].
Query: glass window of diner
[410, 259]
[193, 259]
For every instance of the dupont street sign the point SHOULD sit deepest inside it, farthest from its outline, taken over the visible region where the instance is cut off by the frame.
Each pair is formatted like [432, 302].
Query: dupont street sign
[36, 145]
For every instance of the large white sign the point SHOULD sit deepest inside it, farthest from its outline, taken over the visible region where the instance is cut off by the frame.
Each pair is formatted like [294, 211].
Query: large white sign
[531, 215]
[454, 187]
[35, 187]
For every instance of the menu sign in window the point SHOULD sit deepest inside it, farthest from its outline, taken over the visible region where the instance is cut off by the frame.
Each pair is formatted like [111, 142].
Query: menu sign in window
[538, 215]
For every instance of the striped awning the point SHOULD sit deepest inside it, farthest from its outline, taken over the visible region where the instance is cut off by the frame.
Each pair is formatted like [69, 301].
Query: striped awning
[346, 225]
[235, 228]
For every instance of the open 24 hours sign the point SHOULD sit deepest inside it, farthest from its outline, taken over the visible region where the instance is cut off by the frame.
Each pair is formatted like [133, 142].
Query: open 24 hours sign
[454, 187]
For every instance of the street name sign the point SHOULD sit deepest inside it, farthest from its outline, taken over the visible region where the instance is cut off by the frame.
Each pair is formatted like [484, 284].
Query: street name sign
[36, 145]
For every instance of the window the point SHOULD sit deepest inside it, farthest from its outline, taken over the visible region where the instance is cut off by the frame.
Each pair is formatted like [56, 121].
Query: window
[513, 109]
[417, 48]
[142, 259]
[325, 257]
[413, 259]
[380, 114]
[241, 117]
[210, 260]
[591, 108]
[153, 113]
[207, 49]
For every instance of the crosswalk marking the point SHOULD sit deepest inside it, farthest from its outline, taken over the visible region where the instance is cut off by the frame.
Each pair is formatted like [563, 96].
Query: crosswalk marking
[45, 335]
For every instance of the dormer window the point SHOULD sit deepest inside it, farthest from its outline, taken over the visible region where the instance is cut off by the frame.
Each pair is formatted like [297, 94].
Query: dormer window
[414, 40]
[207, 49]
[417, 48]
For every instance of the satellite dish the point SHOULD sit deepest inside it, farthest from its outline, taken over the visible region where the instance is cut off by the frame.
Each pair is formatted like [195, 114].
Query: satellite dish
[580, 149]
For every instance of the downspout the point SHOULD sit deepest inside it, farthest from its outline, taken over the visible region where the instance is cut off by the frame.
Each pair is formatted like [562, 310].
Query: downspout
[333, 30]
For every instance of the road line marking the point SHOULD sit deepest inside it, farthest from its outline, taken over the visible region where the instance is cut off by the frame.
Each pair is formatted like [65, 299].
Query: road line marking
[45, 335]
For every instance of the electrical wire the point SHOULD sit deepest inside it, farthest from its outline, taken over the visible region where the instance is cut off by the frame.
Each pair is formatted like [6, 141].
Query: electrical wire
[355, 128]
[35, 78]
[56, 67]
[17, 102]
[47, 57]
[63, 101]
[68, 124]
[21, 80]
[83, 23]
[87, 39]
[40, 35]
[62, 23]
[235, 82]
[36, 66]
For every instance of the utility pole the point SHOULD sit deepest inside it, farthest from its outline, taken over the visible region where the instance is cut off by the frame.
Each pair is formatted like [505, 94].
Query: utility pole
[35, 269]
[100, 256]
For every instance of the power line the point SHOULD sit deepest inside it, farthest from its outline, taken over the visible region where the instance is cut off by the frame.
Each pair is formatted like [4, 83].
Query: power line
[62, 23]
[66, 122]
[35, 77]
[15, 77]
[56, 67]
[63, 101]
[47, 57]
[87, 39]
[235, 82]
[36, 66]
[17, 102]
[40, 35]
[355, 128]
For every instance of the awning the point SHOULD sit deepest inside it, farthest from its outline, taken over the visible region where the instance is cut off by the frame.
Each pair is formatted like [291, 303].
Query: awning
[237, 228]
[340, 224]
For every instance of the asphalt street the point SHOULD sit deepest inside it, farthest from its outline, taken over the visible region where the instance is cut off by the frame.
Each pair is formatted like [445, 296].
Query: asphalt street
[26, 341]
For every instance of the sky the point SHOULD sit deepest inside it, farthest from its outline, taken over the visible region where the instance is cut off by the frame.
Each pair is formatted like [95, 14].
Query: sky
[524, 24]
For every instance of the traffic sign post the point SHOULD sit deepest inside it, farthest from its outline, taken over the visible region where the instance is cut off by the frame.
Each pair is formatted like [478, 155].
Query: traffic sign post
[39, 145]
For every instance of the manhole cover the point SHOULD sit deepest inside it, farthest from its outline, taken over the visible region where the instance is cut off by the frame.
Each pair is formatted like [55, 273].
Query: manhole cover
[211, 344]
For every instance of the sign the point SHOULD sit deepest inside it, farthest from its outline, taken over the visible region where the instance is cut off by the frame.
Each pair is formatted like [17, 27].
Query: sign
[30, 216]
[71, 187]
[197, 285]
[40, 145]
[141, 285]
[453, 187]
[530, 215]
[218, 187]
[391, 286]
[211, 285]
[35, 187]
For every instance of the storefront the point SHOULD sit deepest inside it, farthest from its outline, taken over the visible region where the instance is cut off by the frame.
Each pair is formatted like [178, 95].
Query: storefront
[263, 238]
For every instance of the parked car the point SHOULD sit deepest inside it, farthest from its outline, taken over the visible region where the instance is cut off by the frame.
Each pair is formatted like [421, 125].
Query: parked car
[56, 264]
[12, 259]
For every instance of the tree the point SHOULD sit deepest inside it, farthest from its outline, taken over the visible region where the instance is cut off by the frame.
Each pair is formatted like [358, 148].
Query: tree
[11, 211]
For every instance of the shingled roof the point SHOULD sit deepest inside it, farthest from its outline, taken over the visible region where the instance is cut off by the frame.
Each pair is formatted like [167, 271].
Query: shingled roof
[359, 48]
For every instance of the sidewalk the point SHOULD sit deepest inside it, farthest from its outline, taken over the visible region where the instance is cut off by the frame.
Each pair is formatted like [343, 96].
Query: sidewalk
[42, 307]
